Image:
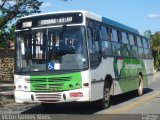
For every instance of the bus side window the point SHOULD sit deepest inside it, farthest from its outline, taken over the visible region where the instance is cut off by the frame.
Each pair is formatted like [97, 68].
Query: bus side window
[131, 38]
[125, 46]
[140, 47]
[90, 40]
[119, 35]
[97, 41]
[109, 33]
[149, 49]
[93, 46]
[116, 45]
[106, 43]
[114, 35]
[94, 40]
[146, 48]
[133, 47]
[104, 39]
[124, 38]
[146, 53]
[139, 43]
[145, 43]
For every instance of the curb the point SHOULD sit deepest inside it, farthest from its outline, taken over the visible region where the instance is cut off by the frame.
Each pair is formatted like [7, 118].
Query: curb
[6, 87]
[6, 92]
[6, 97]
[6, 81]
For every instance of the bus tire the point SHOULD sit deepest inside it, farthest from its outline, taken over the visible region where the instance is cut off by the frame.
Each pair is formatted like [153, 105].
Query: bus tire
[105, 101]
[140, 85]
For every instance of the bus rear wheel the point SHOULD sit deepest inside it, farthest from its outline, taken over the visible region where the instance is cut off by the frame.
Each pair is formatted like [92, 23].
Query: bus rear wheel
[105, 101]
[140, 85]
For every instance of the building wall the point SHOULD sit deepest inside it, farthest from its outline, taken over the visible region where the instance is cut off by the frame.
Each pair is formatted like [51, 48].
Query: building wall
[6, 65]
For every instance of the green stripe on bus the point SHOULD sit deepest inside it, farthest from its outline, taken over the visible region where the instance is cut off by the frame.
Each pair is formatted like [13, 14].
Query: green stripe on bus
[127, 71]
[55, 83]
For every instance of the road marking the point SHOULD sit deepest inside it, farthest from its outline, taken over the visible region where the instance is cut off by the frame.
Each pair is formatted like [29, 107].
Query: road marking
[135, 104]
[129, 106]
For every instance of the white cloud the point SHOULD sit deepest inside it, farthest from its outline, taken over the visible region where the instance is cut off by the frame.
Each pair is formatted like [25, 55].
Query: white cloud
[154, 16]
[46, 5]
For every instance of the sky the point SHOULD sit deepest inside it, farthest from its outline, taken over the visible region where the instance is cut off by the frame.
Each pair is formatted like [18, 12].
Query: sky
[140, 14]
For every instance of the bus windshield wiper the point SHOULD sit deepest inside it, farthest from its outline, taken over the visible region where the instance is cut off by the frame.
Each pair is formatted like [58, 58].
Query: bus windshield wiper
[62, 31]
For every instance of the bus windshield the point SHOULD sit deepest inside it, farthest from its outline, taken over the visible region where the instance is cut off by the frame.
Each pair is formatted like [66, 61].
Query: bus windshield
[60, 48]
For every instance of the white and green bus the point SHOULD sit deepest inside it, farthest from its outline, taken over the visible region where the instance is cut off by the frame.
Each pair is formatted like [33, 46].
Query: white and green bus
[78, 56]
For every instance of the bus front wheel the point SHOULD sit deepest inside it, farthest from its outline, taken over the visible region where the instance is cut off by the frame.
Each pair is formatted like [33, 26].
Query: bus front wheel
[140, 85]
[105, 101]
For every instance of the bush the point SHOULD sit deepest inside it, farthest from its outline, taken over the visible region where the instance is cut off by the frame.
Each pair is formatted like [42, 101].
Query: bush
[2, 44]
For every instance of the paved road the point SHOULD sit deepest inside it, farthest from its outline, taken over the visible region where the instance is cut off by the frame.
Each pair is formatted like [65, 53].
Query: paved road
[128, 104]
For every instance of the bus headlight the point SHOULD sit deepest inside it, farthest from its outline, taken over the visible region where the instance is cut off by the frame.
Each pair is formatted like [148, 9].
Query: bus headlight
[77, 85]
[22, 82]
[25, 88]
[70, 86]
[19, 87]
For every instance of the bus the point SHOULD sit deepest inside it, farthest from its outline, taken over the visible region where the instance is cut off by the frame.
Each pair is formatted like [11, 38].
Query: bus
[78, 56]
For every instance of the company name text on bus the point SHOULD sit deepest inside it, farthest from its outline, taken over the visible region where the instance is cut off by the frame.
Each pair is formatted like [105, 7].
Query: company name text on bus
[56, 21]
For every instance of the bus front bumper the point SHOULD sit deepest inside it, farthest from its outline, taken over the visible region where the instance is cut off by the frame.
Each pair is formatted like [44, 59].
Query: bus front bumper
[78, 95]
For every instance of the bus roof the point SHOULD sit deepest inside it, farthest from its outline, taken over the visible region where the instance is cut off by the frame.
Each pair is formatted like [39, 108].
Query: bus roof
[110, 22]
[92, 16]
[119, 25]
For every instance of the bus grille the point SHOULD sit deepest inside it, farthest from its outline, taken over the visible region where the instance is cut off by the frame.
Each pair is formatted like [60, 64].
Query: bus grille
[48, 84]
[55, 83]
[48, 98]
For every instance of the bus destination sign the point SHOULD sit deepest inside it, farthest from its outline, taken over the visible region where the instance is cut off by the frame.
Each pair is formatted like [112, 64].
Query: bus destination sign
[56, 21]
[50, 20]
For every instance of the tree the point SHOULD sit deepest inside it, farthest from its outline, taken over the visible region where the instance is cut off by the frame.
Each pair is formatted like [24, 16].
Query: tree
[155, 44]
[10, 11]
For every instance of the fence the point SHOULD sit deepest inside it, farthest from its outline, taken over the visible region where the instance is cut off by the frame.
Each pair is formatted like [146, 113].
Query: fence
[6, 65]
